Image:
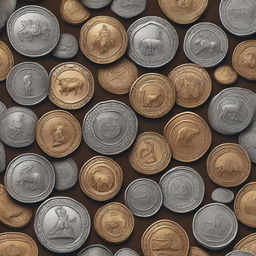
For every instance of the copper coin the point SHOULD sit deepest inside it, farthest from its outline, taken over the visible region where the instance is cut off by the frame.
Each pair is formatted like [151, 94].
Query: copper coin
[188, 135]
[247, 244]
[225, 75]
[6, 60]
[103, 39]
[228, 165]
[114, 222]
[71, 85]
[152, 95]
[101, 178]
[150, 154]
[58, 133]
[192, 83]
[165, 237]
[195, 251]
[119, 77]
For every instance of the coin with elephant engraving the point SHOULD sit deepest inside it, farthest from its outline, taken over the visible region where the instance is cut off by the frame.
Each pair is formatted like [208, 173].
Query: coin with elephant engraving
[95, 250]
[222, 195]
[195, 251]
[6, 59]
[240, 253]
[3, 108]
[126, 252]
[50, 229]
[247, 244]
[6, 9]
[225, 75]
[2, 157]
[95, 4]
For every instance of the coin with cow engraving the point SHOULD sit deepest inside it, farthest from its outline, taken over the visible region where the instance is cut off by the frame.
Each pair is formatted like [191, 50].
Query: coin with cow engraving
[110, 127]
[6, 9]
[225, 75]
[240, 253]
[2, 107]
[101, 178]
[188, 135]
[58, 133]
[206, 44]
[247, 244]
[71, 85]
[2, 157]
[222, 195]
[6, 59]
[50, 229]
[95, 250]
[153, 42]
[95, 4]
[195, 251]
[126, 252]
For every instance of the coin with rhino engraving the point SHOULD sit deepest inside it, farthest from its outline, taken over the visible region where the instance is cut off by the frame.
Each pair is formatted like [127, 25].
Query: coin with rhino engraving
[222, 195]
[126, 252]
[240, 253]
[195, 251]
[6, 9]
[6, 59]
[95, 250]
[225, 75]
[2, 157]
[247, 244]
[95, 4]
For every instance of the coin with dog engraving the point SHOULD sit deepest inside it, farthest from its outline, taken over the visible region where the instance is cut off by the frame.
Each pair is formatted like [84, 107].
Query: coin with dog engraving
[95, 4]
[6, 9]
[195, 251]
[2, 157]
[247, 244]
[95, 250]
[6, 60]
[126, 252]
[222, 195]
[225, 75]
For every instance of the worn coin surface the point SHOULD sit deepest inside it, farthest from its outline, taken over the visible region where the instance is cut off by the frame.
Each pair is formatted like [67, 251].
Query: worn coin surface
[6, 59]
[247, 244]
[2, 107]
[103, 39]
[225, 75]
[95, 250]
[188, 135]
[33, 31]
[95, 4]
[206, 44]
[126, 252]
[101, 178]
[214, 226]
[240, 253]
[110, 127]
[195, 251]
[71, 85]
[2, 157]
[222, 195]
[62, 224]
[6, 9]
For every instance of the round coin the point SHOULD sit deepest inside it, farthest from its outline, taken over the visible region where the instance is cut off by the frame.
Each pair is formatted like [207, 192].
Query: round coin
[240, 253]
[247, 244]
[2, 157]
[2, 107]
[222, 195]
[96, 4]
[195, 251]
[126, 252]
[95, 250]
[6, 59]
[6, 9]
[225, 75]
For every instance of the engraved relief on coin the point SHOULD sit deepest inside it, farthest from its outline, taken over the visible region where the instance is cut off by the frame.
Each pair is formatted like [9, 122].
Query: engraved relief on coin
[2, 157]
[222, 195]
[95, 4]
[126, 252]
[247, 244]
[225, 75]
[239, 253]
[6, 9]
[6, 59]
[95, 250]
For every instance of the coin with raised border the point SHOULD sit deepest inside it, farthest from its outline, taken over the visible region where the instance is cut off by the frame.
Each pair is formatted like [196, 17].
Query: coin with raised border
[96, 4]
[95, 250]
[247, 244]
[2, 157]
[195, 251]
[225, 75]
[6, 59]
[240, 253]
[222, 195]
[6, 9]
[126, 252]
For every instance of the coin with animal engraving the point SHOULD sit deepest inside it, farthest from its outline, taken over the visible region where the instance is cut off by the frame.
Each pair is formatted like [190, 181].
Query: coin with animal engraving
[188, 135]
[2, 157]
[50, 229]
[114, 222]
[195, 251]
[95, 250]
[58, 133]
[6, 9]
[240, 253]
[222, 195]
[95, 4]
[225, 75]
[126, 252]
[71, 85]
[101, 178]
[6, 59]
[247, 244]
[33, 31]
[192, 83]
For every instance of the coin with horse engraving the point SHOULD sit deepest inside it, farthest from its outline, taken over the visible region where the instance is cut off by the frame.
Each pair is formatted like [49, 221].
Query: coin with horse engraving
[95, 250]
[62, 224]
[2, 157]
[247, 244]
[6, 59]
[126, 252]
[222, 195]
[6, 9]
[195, 251]
[95, 4]
[225, 75]
[240, 253]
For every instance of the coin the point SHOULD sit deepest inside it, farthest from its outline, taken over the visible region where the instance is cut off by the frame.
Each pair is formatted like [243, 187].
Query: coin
[247, 244]
[195, 251]
[58, 133]
[188, 135]
[72, 85]
[222, 195]
[17, 127]
[95, 250]
[239, 253]
[103, 39]
[126, 252]
[110, 127]
[150, 154]
[214, 226]
[33, 31]
[2, 157]
[114, 222]
[152, 95]
[101, 178]
[28, 83]
[192, 83]
[225, 75]
[6, 60]
[143, 197]
[119, 77]
[6, 9]
[49, 227]
[156, 239]
[153, 42]
[2, 107]
[95, 4]
[206, 44]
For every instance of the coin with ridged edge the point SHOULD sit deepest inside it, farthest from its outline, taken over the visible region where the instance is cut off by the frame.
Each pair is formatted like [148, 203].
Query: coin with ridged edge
[247, 244]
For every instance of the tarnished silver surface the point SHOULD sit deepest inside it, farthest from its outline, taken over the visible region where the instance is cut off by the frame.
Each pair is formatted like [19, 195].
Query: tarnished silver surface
[95, 4]
[2, 157]
[240, 253]
[2, 107]
[206, 44]
[222, 195]
[33, 31]
[126, 252]
[29, 178]
[110, 127]
[95, 250]
[62, 224]
[153, 42]
[143, 197]
[7, 7]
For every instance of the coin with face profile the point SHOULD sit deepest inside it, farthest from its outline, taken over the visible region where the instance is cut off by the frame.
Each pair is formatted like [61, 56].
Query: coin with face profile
[247, 244]
[225, 75]
[6, 60]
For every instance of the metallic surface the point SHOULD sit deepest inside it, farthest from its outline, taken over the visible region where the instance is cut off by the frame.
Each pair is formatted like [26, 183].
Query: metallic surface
[222, 195]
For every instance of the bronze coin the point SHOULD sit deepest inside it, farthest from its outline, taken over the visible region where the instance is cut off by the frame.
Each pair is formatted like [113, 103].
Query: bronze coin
[195, 251]
[192, 83]
[225, 75]
[247, 244]
[101, 178]
[152, 95]
[6, 60]
[188, 135]
[103, 39]
[228, 165]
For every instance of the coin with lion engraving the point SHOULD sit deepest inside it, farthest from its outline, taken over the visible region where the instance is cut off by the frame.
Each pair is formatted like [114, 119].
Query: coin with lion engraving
[225, 75]
[6, 60]
[195, 251]
[247, 244]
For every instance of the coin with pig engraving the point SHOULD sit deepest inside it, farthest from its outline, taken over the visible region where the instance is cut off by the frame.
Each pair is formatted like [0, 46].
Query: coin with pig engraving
[95, 250]
[240, 253]
[96, 4]
[2, 157]
[247, 244]
[126, 252]
[6, 9]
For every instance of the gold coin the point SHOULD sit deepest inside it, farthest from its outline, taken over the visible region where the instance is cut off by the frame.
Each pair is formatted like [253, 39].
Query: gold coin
[247, 244]
[192, 83]
[119, 77]
[101, 178]
[188, 135]
[195, 251]
[183, 11]
[152, 95]
[150, 154]
[165, 237]
[244, 59]
[114, 222]
[58, 133]
[228, 165]
[225, 75]
[6, 60]
[72, 85]
[103, 39]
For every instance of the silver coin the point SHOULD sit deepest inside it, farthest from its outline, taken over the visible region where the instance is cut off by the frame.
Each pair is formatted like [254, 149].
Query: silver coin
[240, 253]
[17, 127]
[66, 173]
[29, 178]
[143, 197]
[28, 83]
[214, 226]
[222, 195]
[95, 250]
[95, 4]
[126, 252]
[183, 189]
[128, 8]
[2, 107]
[206, 44]
[110, 127]
[2, 157]
[62, 224]
[7, 7]
[153, 42]
[33, 31]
